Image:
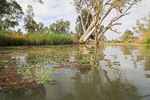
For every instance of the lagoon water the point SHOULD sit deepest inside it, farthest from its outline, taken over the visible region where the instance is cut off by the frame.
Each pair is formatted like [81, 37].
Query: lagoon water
[122, 72]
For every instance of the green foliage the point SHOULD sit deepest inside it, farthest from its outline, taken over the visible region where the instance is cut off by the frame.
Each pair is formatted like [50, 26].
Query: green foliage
[30, 24]
[119, 4]
[142, 25]
[85, 61]
[146, 40]
[42, 80]
[61, 26]
[87, 18]
[34, 73]
[10, 13]
[40, 26]
[128, 34]
[97, 5]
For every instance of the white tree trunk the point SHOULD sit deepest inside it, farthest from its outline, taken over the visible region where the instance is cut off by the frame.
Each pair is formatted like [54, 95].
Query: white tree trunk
[82, 40]
[100, 15]
[88, 35]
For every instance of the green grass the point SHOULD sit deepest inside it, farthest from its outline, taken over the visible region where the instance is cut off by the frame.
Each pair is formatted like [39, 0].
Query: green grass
[34, 39]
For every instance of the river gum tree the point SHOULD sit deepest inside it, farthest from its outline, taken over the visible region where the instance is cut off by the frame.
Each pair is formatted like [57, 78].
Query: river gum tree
[100, 10]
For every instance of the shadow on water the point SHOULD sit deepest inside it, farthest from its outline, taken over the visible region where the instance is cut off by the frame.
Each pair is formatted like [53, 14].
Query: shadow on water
[118, 73]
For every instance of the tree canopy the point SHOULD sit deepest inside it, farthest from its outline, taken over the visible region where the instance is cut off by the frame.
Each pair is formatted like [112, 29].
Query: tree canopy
[142, 25]
[127, 35]
[10, 13]
[30, 24]
[143, 28]
[60, 26]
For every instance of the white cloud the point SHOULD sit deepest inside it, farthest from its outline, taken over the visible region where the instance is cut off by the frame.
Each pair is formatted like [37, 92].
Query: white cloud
[53, 10]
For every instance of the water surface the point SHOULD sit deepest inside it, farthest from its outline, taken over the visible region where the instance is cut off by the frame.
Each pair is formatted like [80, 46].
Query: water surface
[120, 72]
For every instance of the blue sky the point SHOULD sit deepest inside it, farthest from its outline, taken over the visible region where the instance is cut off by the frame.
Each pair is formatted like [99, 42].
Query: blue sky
[53, 10]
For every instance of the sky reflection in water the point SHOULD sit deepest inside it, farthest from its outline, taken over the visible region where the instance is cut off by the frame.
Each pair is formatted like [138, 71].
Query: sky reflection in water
[123, 72]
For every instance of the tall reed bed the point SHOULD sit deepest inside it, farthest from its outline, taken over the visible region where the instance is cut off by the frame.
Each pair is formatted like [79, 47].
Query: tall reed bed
[34, 39]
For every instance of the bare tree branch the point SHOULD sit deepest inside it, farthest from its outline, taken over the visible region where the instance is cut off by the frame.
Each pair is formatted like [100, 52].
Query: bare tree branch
[79, 10]
[115, 30]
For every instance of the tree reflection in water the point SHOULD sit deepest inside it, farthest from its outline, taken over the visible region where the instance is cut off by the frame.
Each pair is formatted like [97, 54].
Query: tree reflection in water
[146, 58]
[96, 85]
[22, 94]
[99, 84]
[119, 74]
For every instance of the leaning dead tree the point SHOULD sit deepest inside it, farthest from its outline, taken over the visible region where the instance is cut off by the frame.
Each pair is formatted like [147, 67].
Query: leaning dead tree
[101, 11]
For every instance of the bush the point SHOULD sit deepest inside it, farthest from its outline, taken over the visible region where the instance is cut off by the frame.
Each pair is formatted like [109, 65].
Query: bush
[146, 40]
